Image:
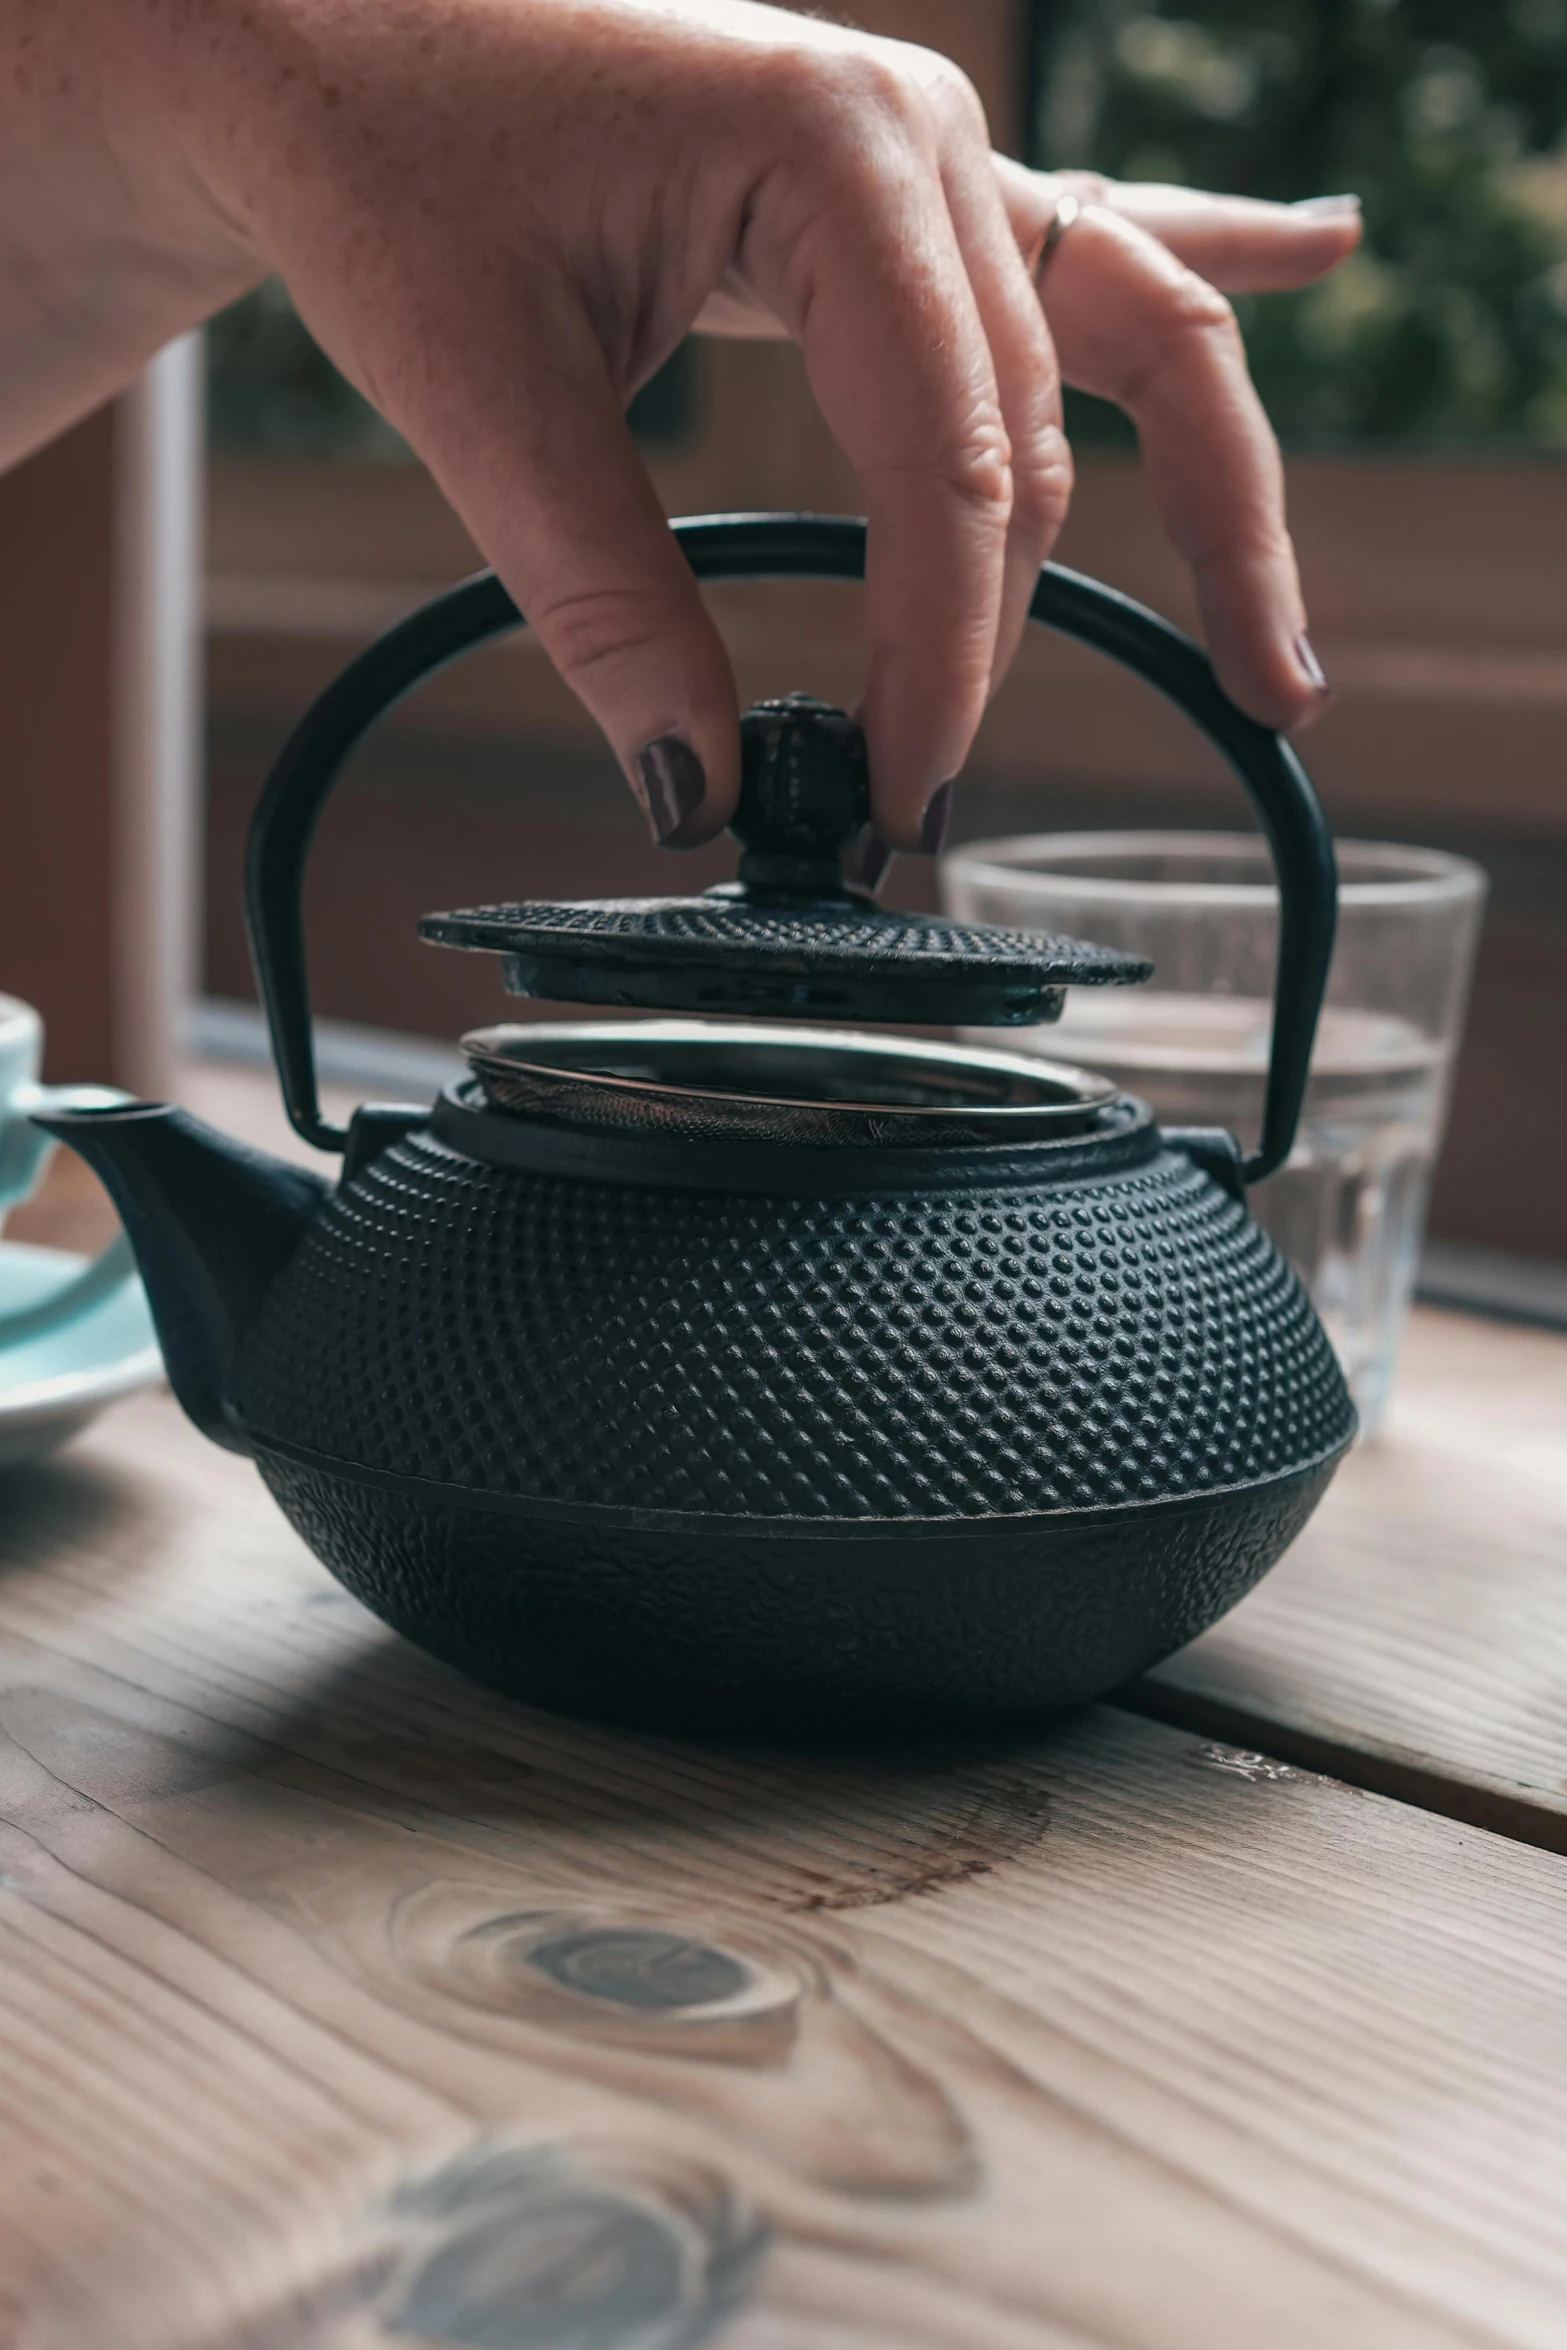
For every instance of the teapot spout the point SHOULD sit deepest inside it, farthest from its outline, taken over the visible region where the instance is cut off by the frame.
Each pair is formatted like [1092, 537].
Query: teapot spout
[212, 1223]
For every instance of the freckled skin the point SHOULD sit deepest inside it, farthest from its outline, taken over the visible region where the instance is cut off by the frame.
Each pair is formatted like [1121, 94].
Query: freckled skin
[500, 216]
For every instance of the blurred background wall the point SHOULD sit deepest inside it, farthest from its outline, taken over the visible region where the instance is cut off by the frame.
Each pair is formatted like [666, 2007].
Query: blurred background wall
[1422, 396]
[100, 683]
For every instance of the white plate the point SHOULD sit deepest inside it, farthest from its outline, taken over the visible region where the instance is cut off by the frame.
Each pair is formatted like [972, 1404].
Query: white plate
[52, 1386]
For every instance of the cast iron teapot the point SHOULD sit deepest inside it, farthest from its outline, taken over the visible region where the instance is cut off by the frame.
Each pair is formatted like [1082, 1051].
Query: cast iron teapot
[741, 1374]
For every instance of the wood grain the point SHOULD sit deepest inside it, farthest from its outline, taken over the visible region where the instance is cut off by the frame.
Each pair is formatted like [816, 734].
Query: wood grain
[341, 2004]
[1415, 1638]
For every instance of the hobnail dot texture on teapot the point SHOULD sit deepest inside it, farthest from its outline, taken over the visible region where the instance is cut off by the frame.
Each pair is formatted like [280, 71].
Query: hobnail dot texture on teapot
[930, 1355]
[865, 933]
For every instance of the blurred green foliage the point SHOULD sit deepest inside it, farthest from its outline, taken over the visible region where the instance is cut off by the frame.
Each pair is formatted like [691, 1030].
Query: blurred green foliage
[1448, 329]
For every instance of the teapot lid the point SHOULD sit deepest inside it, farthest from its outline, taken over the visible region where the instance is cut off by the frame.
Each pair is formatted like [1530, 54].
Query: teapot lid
[789, 936]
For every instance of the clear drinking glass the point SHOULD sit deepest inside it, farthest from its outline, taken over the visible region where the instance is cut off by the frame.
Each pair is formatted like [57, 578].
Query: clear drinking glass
[1349, 1208]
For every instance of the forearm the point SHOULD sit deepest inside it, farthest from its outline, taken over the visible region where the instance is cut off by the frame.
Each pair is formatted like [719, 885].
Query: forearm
[110, 240]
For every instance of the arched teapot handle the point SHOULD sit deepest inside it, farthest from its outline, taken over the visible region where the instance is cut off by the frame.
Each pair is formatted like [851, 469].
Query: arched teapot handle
[800, 546]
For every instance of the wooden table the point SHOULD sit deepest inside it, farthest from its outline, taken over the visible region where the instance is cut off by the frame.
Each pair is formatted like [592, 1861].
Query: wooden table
[342, 2004]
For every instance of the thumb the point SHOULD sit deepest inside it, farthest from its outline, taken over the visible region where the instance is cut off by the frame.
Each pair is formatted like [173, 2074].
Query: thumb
[550, 483]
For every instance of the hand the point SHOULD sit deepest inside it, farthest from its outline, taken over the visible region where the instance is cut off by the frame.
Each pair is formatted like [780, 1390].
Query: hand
[499, 217]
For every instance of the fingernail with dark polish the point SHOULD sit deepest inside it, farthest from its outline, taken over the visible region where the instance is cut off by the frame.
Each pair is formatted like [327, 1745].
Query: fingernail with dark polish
[867, 861]
[933, 831]
[673, 785]
[1307, 658]
[1329, 207]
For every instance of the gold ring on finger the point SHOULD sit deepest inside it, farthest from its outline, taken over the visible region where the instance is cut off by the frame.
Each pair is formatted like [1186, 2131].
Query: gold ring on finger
[1066, 211]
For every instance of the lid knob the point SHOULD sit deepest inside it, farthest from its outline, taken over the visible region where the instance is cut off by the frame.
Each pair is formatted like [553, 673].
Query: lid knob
[789, 939]
[804, 796]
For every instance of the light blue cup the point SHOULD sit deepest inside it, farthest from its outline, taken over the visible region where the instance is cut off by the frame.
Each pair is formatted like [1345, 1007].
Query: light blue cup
[24, 1153]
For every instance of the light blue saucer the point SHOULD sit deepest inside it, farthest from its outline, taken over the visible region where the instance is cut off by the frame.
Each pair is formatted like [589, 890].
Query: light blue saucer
[53, 1384]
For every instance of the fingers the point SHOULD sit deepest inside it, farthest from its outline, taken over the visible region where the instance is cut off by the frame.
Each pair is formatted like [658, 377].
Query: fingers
[1239, 243]
[873, 283]
[1135, 326]
[540, 465]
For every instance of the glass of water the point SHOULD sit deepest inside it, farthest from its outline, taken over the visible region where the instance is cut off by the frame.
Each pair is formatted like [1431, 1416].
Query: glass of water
[1349, 1207]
